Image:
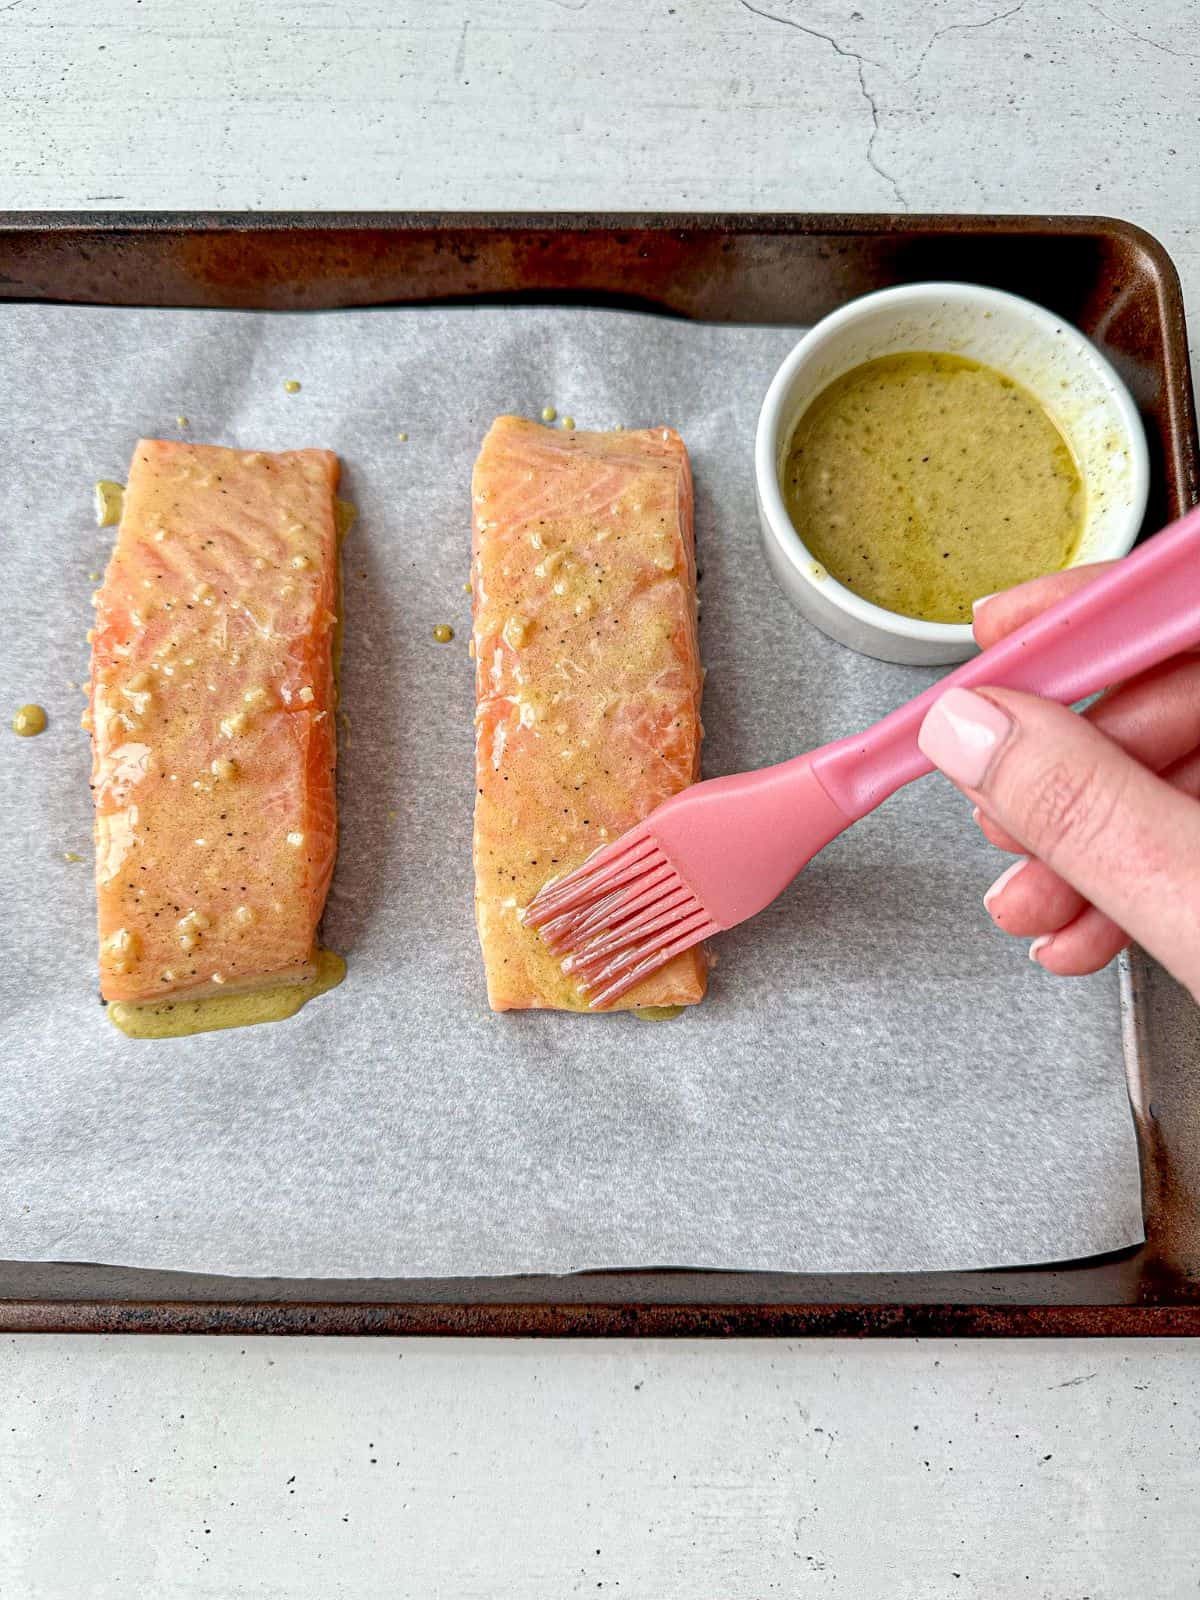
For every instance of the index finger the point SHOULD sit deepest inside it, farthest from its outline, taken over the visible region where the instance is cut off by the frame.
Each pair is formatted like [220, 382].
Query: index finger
[1000, 613]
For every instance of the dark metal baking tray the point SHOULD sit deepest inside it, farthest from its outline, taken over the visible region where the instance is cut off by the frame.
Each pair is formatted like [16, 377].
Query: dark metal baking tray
[1111, 279]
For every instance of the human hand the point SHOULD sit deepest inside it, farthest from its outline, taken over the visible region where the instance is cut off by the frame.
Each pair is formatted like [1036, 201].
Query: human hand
[1100, 809]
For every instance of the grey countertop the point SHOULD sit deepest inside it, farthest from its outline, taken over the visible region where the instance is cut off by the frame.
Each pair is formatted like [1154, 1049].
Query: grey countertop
[283, 1469]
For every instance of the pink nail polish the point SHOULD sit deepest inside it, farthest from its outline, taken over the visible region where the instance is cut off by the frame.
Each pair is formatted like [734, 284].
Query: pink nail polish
[982, 601]
[1005, 878]
[962, 735]
[1039, 944]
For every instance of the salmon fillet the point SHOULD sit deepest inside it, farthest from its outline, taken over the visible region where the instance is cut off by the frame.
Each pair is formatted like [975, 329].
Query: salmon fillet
[212, 706]
[588, 677]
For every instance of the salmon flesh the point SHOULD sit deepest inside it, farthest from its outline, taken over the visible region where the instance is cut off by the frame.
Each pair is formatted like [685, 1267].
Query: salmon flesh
[212, 708]
[588, 678]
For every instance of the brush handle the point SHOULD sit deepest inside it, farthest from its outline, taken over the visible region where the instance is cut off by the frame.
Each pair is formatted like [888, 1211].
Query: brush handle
[1142, 610]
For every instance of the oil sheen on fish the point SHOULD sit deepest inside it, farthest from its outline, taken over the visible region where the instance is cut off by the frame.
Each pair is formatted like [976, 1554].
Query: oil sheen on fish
[588, 677]
[212, 708]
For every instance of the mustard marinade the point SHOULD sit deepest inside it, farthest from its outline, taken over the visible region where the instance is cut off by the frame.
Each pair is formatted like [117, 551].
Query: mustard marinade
[922, 481]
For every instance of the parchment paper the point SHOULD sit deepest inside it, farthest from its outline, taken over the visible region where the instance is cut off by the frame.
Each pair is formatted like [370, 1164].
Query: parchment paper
[878, 1079]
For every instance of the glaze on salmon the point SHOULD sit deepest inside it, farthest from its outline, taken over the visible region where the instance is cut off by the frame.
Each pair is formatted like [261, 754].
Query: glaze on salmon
[588, 677]
[212, 707]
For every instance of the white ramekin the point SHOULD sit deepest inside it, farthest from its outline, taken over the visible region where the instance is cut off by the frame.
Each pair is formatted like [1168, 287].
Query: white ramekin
[1066, 372]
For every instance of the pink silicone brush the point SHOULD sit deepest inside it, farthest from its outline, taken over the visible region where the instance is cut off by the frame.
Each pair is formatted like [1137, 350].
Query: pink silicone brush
[722, 850]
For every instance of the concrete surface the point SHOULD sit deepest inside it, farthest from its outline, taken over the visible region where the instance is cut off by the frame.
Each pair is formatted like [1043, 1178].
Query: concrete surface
[301, 1469]
[689, 1471]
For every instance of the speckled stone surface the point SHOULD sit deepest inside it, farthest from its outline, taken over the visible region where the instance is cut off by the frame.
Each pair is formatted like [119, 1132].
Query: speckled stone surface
[285, 1470]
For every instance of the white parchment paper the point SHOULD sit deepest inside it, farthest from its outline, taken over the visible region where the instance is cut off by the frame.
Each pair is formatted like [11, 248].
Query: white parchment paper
[878, 1079]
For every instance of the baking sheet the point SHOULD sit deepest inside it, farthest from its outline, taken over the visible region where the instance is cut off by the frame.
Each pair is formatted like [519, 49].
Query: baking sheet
[878, 1080]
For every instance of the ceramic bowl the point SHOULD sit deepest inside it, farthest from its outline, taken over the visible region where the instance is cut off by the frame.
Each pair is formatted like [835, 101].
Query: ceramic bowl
[1054, 361]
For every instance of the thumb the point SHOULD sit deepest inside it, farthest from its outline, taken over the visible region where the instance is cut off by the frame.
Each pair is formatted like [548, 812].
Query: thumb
[1128, 842]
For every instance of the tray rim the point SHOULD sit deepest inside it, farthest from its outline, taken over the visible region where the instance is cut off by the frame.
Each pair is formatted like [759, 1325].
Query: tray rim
[596, 1319]
[699, 1317]
[869, 222]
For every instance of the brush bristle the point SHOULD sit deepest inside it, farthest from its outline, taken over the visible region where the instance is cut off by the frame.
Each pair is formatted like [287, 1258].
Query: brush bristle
[604, 869]
[619, 917]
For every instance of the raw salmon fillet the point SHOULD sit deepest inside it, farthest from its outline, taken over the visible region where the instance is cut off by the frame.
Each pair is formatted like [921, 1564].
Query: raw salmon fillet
[588, 677]
[212, 707]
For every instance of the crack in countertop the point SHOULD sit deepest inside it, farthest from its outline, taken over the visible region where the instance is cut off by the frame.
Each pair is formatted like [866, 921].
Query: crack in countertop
[860, 60]
[1154, 44]
[460, 55]
[962, 27]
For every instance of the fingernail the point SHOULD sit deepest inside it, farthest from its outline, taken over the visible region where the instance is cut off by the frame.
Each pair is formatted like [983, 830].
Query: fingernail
[1039, 944]
[962, 735]
[1005, 878]
[982, 601]
[977, 816]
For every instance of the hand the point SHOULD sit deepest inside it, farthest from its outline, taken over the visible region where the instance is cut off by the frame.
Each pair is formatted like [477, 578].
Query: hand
[1100, 809]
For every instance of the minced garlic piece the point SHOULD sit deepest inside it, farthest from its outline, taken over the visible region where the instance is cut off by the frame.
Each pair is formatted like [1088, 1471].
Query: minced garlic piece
[515, 632]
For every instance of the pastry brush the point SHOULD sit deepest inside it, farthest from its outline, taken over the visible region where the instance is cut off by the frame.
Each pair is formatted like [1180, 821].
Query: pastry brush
[720, 851]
